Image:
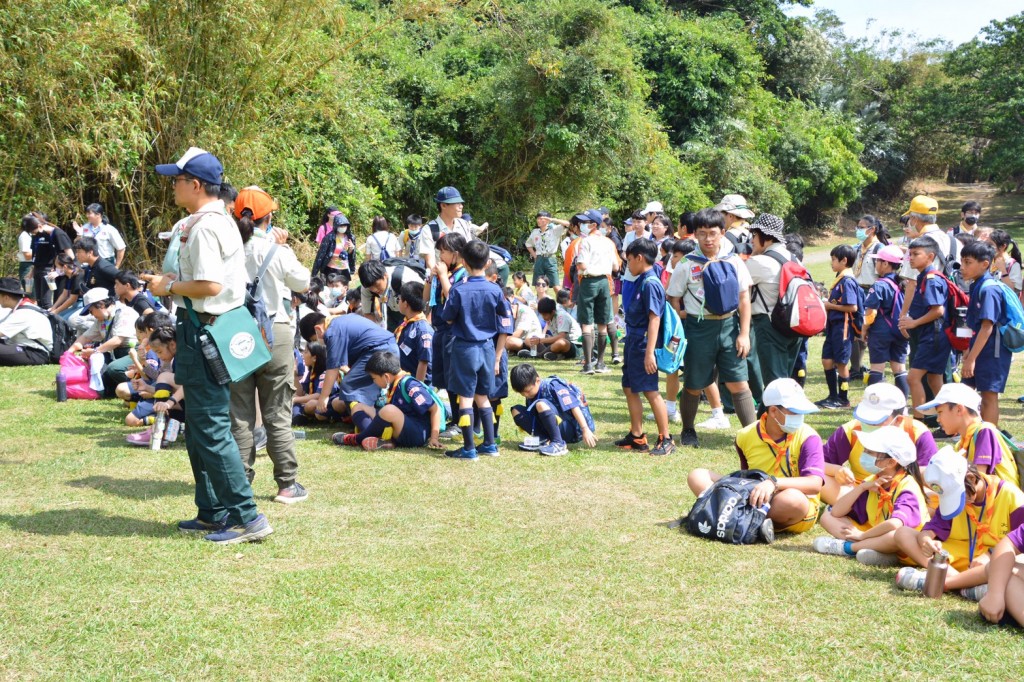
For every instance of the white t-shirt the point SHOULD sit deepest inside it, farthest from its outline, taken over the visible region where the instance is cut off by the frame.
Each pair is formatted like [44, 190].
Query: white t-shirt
[284, 275]
[24, 245]
[378, 242]
[26, 327]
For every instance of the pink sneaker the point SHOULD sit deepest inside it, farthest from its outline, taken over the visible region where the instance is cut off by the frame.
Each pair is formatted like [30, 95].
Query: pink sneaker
[140, 439]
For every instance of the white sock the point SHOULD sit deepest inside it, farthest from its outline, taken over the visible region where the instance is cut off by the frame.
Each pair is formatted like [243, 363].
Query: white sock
[717, 412]
[671, 405]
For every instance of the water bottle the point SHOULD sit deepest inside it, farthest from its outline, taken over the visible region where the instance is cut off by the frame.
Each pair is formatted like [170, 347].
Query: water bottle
[935, 578]
[62, 387]
[213, 359]
[157, 435]
[172, 430]
[300, 434]
[673, 344]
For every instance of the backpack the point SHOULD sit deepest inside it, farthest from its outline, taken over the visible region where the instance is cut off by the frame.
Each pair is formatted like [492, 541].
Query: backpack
[741, 246]
[723, 511]
[956, 298]
[504, 254]
[721, 287]
[1011, 333]
[384, 253]
[950, 265]
[669, 353]
[893, 320]
[432, 392]
[63, 334]
[254, 300]
[397, 274]
[799, 312]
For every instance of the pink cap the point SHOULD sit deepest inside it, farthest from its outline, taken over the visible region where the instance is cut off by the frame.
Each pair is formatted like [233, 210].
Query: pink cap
[890, 254]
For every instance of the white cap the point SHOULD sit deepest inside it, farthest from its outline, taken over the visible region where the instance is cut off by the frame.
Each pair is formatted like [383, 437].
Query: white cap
[788, 394]
[892, 441]
[653, 207]
[958, 394]
[879, 402]
[95, 295]
[945, 476]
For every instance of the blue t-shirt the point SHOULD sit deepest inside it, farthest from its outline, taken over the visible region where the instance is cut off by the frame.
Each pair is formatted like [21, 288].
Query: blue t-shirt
[986, 304]
[559, 394]
[931, 291]
[648, 296]
[350, 337]
[414, 346]
[437, 301]
[477, 310]
[882, 297]
[843, 293]
[419, 401]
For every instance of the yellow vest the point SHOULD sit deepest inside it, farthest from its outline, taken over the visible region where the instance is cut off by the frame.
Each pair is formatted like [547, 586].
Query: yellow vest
[761, 456]
[879, 511]
[912, 427]
[1007, 467]
[994, 521]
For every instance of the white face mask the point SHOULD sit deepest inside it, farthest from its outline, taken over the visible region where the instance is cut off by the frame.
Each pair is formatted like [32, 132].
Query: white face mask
[603, 231]
[585, 229]
[792, 424]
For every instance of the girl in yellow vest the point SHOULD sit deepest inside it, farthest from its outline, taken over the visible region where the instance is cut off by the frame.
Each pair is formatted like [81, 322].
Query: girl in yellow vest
[863, 522]
[782, 445]
[976, 511]
[959, 410]
[1003, 602]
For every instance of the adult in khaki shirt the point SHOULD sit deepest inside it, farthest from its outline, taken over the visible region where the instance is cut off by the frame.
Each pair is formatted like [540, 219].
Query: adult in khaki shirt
[596, 260]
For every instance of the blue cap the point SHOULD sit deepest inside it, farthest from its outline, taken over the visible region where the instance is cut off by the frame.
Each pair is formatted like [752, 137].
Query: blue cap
[467, 217]
[198, 163]
[448, 195]
[583, 218]
[594, 216]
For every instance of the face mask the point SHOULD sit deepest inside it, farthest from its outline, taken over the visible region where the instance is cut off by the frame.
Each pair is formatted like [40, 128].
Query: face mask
[604, 231]
[414, 234]
[336, 292]
[867, 462]
[792, 424]
[862, 234]
[585, 230]
[971, 220]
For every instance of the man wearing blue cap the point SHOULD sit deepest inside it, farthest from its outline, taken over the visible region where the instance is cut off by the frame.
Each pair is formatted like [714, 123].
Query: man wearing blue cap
[449, 219]
[211, 278]
[596, 260]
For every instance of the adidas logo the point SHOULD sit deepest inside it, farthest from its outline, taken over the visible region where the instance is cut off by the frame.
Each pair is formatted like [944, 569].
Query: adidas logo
[704, 528]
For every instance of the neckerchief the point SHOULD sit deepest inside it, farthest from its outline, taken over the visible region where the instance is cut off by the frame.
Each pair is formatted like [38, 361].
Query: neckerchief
[846, 272]
[968, 437]
[415, 318]
[395, 384]
[885, 497]
[781, 450]
[981, 527]
[859, 265]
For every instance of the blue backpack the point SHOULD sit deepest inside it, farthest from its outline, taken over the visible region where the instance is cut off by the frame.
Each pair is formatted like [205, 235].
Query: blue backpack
[721, 287]
[432, 392]
[1011, 333]
[670, 351]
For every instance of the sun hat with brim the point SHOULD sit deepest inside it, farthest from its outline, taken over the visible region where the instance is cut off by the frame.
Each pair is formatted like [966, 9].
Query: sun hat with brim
[11, 286]
[923, 204]
[653, 207]
[94, 296]
[448, 195]
[945, 475]
[769, 225]
[878, 403]
[890, 254]
[892, 441]
[788, 394]
[735, 204]
[256, 200]
[198, 163]
[958, 394]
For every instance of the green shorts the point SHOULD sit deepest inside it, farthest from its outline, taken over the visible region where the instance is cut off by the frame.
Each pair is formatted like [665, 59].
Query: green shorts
[711, 344]
[593, 301]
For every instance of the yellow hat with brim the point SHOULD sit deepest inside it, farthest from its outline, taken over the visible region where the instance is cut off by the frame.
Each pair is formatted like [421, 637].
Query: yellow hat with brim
[923, 204]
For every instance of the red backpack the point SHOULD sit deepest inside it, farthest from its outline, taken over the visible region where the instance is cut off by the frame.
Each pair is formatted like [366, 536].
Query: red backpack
[957, 298]
[799, 312]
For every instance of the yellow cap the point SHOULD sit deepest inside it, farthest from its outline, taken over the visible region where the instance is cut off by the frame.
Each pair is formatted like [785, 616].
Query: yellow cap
[924, 205]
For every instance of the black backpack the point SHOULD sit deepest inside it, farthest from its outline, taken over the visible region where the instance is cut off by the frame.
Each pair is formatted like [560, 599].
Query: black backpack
[723, 512]
[64, 334]
[741, 246]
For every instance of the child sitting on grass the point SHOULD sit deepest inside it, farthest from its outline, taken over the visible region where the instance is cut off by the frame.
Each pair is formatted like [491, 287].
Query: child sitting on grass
[411, 414]
[166, 396]
[314, 357]
[555, 410]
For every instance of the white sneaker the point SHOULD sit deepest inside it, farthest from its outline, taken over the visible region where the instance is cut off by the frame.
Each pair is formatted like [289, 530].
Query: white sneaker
[834, 546]
[715, 423]
[975, 593]
[674, 417]
[910, 578]
[871, 557]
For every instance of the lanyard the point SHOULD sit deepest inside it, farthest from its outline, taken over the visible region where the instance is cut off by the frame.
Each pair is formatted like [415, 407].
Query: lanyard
[980, 529]
[394, 386]
[781, 450]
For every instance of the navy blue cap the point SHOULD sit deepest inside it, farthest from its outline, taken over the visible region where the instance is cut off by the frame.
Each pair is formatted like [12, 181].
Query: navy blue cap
[594, 216]
[198, 163]
[448, 195]
[339, 220]
[467, 217]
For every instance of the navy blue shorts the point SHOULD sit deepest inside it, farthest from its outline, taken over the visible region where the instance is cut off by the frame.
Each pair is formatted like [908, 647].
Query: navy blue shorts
[990, 373]
[143, 409]
[836, 348]
[883, 347]
[415, 432]
[932, 354]
[473, 373]
[357, 385]
[634, 376]
[438, 357]
[500, 391]
[568, 428]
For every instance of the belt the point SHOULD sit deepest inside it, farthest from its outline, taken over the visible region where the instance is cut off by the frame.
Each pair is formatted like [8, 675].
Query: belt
[545, 255]
[720, 317]
[596, 276]
[205, 318]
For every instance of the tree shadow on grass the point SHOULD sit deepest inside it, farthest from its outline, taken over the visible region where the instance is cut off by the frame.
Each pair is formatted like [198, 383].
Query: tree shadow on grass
[83, 522]
[134, 488]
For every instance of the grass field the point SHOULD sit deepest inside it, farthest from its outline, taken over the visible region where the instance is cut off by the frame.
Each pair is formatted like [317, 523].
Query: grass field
[406, 565]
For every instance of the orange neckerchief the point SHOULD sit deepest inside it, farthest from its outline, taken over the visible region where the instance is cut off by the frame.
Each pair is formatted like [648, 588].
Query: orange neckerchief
[395, 383]
[415, 318]
[981, 527]
[968, 437]
[885, 501]
[780, 449]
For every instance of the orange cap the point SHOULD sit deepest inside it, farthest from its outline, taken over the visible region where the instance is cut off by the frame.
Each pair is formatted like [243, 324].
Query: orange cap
[256, 200]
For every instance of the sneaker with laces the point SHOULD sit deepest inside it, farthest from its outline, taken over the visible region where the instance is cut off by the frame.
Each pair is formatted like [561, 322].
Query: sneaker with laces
[828, 545]
[910, 578]
[488, 450]
[532, 444]
[292, 494]
[342, 438]
[373, 443]
[140, 439]
[601, 368]
[257, 529]
[975, 593]
[451, 432]
[689, 438]
[664, 446]
[197, 525]
[871, 557]
[588, 369]
[553, 449]
[616, 359]
[552, 356]
[631, 442]
[715, 423]
[524, 353]
[828, 403]
[461, 453]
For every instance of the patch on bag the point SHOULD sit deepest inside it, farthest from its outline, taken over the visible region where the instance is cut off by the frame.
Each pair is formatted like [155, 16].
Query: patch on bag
[242, 345]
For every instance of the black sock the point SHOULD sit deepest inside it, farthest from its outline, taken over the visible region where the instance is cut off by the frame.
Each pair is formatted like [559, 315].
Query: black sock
[613, 337]
[901, 383]
[588, 348]
[374, 430]
[602, 343]
[487, 420]
[688, 409]
[466, 425]
[875, 378]
[844, 389]
[549, 425]
[361, 420]
[832, 380]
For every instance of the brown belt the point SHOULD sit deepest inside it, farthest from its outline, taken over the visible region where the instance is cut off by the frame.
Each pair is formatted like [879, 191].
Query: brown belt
[720, 317]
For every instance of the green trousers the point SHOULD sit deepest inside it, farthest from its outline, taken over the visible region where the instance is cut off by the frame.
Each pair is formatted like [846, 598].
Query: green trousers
[221, 484]
[776, 354]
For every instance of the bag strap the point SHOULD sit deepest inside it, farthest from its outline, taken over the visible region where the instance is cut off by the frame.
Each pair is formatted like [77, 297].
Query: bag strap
[192, 312]
[263, 267]
[781, 260]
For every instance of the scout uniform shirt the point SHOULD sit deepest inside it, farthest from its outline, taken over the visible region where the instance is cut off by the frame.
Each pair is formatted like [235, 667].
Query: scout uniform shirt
[984, 445]
[903, 500]
[545, 242]
[212, 251]
[687, 281]
[415, 339]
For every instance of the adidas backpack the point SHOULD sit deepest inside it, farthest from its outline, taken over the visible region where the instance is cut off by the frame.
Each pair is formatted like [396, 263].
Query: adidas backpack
[723, 512]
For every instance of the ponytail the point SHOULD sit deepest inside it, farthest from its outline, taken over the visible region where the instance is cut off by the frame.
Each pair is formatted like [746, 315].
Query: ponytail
[246, 225]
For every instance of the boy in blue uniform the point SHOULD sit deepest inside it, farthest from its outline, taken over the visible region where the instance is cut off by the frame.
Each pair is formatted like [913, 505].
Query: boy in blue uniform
[410, 411]
[924, 322]
[350, 341]
[884, 302]
[555, 409]
[844, 301]
[986, 364]
[414, 335]
[644, 309]
[478, 312]
[500, 390]
[446, 271]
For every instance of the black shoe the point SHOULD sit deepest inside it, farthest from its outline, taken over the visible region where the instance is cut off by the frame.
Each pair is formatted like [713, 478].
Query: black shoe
[768, 531]
[857, 375]
[631, 442]
[827, 404]
[688, 438]
[665, 446]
